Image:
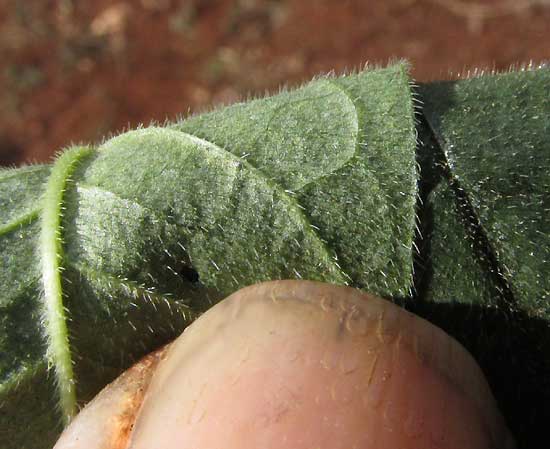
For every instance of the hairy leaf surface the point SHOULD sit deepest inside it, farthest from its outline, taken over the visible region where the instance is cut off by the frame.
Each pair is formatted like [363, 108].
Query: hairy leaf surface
[113, 250]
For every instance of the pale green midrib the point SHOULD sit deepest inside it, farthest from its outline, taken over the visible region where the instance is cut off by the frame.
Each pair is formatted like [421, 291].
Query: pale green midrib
[51, 254]
[132, 287]
[298, 210]
[22, 220]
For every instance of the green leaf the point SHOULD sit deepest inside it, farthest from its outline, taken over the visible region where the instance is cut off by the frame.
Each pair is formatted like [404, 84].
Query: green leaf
[487, 263]
[343, 148]
[113, 250]
[135, 238]
[495, 134]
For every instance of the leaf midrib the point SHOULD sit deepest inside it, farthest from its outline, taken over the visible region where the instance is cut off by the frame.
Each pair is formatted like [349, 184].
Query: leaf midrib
[51, 254]
[474, 225]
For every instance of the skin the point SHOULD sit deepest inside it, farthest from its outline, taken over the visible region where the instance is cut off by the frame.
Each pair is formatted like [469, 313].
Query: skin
[300, 365]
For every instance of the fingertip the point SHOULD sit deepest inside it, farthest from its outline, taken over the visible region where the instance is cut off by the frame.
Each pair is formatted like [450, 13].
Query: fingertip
[298, 364]
[108, 420]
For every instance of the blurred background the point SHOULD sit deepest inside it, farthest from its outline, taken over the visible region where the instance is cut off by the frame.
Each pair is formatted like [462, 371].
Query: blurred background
[74, 71]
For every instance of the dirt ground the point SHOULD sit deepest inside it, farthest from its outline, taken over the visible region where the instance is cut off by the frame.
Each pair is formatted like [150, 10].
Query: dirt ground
[76, 71]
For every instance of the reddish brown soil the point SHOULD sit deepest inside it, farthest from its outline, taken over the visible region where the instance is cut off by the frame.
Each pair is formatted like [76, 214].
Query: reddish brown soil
[76, 71]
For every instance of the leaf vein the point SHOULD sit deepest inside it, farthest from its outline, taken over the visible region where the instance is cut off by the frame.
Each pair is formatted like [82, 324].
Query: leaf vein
[132, 288]
[473, 223]
[51, 252]
[22, 220]
[291, 201]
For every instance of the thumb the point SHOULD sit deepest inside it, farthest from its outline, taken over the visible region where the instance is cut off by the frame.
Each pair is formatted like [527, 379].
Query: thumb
[298, 365]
